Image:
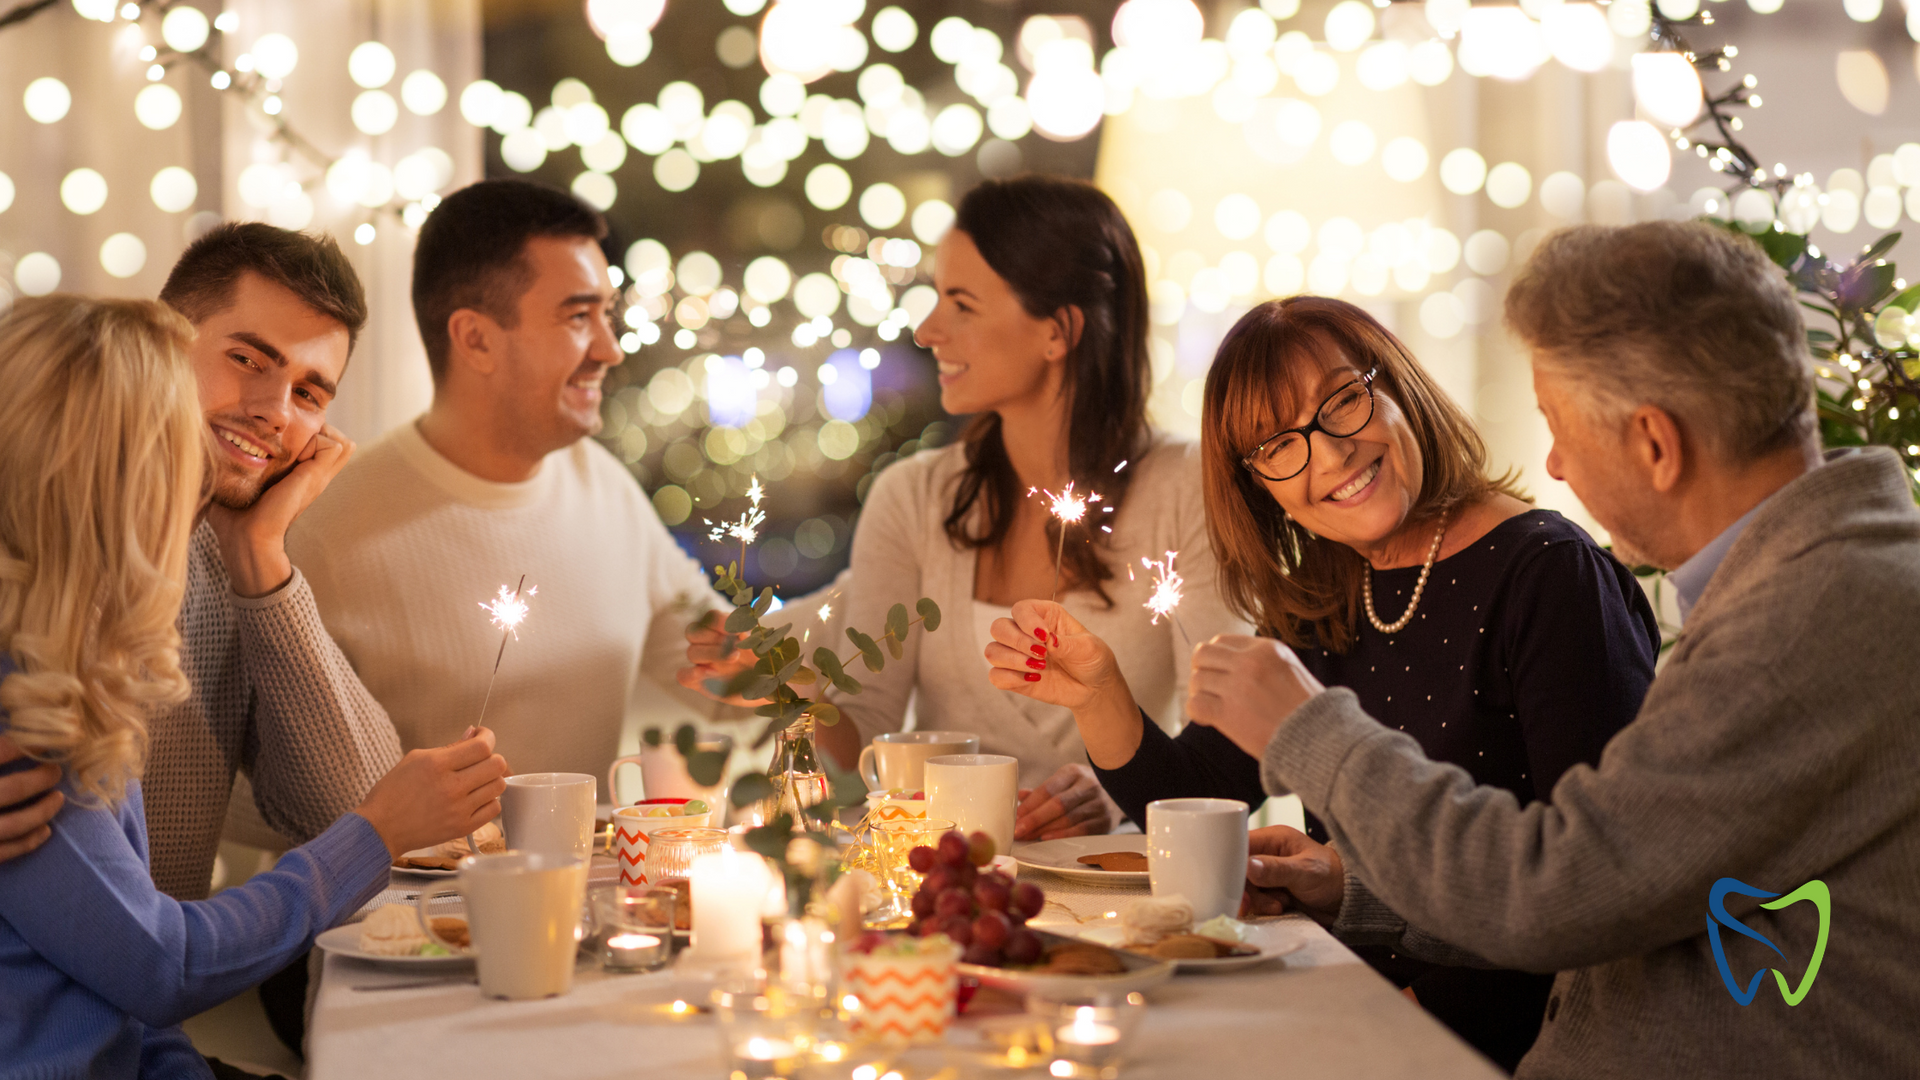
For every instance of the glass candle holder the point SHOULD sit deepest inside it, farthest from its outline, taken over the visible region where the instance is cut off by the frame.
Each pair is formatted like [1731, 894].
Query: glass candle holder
[894, 841]
[670, 852]
[635, 924]
[1089, 1036]
[767, 1033]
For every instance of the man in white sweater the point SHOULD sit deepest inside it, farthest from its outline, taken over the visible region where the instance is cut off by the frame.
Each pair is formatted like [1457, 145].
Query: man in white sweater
[498, 480]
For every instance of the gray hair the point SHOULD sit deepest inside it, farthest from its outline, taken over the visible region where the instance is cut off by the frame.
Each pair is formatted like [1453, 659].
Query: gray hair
[1681, 315]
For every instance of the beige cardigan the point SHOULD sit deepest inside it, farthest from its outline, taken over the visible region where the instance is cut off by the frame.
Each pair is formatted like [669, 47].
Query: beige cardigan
[901, 553]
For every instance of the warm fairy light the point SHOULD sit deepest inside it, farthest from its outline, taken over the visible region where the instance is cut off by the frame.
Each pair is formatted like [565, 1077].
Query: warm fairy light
[508, 610]
[1166, 586]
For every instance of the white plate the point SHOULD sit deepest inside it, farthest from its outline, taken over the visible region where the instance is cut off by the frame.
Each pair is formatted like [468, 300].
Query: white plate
[345, 941]
[1143, 973]
[1061, 857]
[1111, 935]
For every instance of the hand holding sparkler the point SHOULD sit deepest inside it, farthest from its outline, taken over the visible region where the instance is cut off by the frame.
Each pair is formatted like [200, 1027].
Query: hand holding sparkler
[1044, 653]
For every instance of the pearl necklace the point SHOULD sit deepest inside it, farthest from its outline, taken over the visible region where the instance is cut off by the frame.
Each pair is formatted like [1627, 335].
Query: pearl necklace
[1366, 588]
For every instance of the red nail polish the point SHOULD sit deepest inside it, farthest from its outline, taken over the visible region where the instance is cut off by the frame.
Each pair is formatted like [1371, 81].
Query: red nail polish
[1039, 650]
[1039, 633]
[1037, 665]
[1033, 676]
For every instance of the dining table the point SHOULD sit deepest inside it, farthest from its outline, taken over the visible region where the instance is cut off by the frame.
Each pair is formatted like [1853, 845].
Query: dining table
[1316, 1012]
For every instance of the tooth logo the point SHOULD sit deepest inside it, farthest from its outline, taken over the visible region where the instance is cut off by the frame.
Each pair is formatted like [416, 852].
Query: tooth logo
[1717, 917]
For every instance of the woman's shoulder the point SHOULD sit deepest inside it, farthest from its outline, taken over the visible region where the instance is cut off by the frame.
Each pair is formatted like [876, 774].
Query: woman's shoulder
[919, 479]
[1170, 463]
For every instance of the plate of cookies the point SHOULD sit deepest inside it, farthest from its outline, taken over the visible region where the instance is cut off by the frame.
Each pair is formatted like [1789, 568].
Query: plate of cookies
[390, 936]
[1094, 860]
[443, 860]
[1162, 928]
[1072, 966]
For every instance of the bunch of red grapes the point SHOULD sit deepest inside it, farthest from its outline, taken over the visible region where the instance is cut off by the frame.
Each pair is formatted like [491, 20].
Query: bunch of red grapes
[984, 913]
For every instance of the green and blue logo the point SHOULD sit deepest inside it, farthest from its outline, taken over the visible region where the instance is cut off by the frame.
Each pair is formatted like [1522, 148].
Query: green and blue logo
[1717, 917]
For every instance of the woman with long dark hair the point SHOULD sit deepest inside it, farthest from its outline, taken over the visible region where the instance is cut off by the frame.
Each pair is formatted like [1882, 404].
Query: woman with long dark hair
[1355, 519]
[1041, 337]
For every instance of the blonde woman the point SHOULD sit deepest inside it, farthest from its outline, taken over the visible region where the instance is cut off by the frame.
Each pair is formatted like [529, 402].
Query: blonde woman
[101, 469]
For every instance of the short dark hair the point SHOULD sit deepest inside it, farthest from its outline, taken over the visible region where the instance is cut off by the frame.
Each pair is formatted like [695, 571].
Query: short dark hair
[1683, 315]
[470, 253]
[312, 268]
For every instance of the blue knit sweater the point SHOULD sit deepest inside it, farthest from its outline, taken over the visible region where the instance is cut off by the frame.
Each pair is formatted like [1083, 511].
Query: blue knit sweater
[98, 968]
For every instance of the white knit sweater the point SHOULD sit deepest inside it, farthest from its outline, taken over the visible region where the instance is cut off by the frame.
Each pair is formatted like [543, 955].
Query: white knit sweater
[403, 548]
[901, 553]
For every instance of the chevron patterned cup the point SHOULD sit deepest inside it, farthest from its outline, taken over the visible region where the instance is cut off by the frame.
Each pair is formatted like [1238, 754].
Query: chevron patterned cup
[904, 999]
[633, 829]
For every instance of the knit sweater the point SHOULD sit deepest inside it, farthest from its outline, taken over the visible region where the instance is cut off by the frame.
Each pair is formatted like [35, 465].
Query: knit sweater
[901, 552]
[98, 968]
[1776, 747]
[271, 695]
[404, 547]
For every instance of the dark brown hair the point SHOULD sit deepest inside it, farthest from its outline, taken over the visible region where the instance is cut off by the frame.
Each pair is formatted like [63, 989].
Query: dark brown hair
[312, 268]
[470, 254]
[1682, 315]
[1062, 243]
[1289, 582]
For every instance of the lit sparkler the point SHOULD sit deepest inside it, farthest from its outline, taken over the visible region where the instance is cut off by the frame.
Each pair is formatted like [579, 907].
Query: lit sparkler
[747, 529]
[1166, 591]
[506, 611]
[1069, 507]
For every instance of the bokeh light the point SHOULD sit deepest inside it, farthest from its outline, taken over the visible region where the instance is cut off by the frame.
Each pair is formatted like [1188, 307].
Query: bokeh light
[83, 191]
[123, 255]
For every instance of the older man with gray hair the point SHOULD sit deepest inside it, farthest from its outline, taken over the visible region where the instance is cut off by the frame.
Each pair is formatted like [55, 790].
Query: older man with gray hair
[1773, 760]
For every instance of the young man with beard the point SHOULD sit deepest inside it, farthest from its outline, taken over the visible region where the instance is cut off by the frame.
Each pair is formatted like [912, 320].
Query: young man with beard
[498, 479]
[275, 314]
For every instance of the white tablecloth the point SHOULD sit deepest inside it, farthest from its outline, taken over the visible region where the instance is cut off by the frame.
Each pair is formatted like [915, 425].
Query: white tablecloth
[1317, 1013]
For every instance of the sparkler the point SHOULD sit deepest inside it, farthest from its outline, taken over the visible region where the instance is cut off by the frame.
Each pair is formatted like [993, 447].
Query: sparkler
[1069, 508]
[747, 529]
[1166, 591]
[506, 611]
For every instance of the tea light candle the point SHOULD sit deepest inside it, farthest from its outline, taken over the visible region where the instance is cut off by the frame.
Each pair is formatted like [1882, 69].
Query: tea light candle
[1087, 1031]
[759, 1048]
[633, 952]
[728, 889]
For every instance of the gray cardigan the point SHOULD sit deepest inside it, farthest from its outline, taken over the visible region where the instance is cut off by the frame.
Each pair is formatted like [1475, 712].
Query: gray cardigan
[1780, 744]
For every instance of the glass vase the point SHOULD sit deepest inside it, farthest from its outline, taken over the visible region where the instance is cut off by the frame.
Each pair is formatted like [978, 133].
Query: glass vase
[798, 779]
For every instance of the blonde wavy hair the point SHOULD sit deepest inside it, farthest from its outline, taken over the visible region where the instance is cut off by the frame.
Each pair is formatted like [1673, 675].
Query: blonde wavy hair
[102, 457]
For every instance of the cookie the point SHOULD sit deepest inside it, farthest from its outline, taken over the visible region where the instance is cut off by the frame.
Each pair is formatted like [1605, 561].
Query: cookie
[1185, 947]
[1119, 861]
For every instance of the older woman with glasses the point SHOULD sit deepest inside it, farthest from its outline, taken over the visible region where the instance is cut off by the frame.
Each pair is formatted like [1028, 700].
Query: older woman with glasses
[1353, 517]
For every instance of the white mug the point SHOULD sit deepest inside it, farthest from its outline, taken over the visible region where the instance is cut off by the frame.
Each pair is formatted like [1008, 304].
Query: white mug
[663, 772]
[549, 812]
[523, 917]
[896, 760]
[977, 792]
[1197, 848]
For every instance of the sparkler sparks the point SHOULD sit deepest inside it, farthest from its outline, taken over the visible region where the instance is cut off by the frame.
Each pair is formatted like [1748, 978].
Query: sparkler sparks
[747, 529]
[507, 611]
[1166, 590]
[1069, 508]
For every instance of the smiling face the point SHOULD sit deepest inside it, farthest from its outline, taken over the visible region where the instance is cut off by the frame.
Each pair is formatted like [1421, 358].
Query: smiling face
[1359, 490]
[559, 351]
[992, 352]
[267, 366]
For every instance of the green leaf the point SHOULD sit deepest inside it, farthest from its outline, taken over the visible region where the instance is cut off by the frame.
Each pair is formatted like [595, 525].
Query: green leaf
[684, 738]
[802, 676]
[1879, 247]
[651, 736]
[765, 603]
[1909, 300]
[846, 683]
[707, 766]
[772, 708]
[771, 839]
[824, 712]
[894, 647]
[869, 651]
[741, 620]
[1867, 284]
[929, 613]
[897, 622]
[750, 789]
[1784, 248]
[827, 663]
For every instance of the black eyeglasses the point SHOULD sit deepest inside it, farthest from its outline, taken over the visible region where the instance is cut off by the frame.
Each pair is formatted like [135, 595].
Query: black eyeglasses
[1284, 454]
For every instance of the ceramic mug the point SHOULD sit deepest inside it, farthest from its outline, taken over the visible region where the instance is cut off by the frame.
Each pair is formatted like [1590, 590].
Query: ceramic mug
[663, 772]
[523, 916]
[633, 830]
[977, 792]
[1197, 848]
[549, 812]
[896, 760]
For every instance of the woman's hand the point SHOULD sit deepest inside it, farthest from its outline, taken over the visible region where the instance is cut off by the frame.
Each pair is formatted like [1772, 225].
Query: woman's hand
[25, 826]
[1045, 654]
[1289, 869]
[1071, 802]
[710, 656]
[1246, 687]
[436, 795]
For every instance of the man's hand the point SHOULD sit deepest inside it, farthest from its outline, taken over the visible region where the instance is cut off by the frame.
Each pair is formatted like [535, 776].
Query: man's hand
[436, 795]
[1245, 687]
[1071, 802]
[710, 656]
[26, 827]
[1287, 869]
[253, 542]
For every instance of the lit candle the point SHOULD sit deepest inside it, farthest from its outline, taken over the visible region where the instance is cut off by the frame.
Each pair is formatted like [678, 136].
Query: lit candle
[759, 1048]
[634, 952]
[729, 888]
[1087, 1031]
